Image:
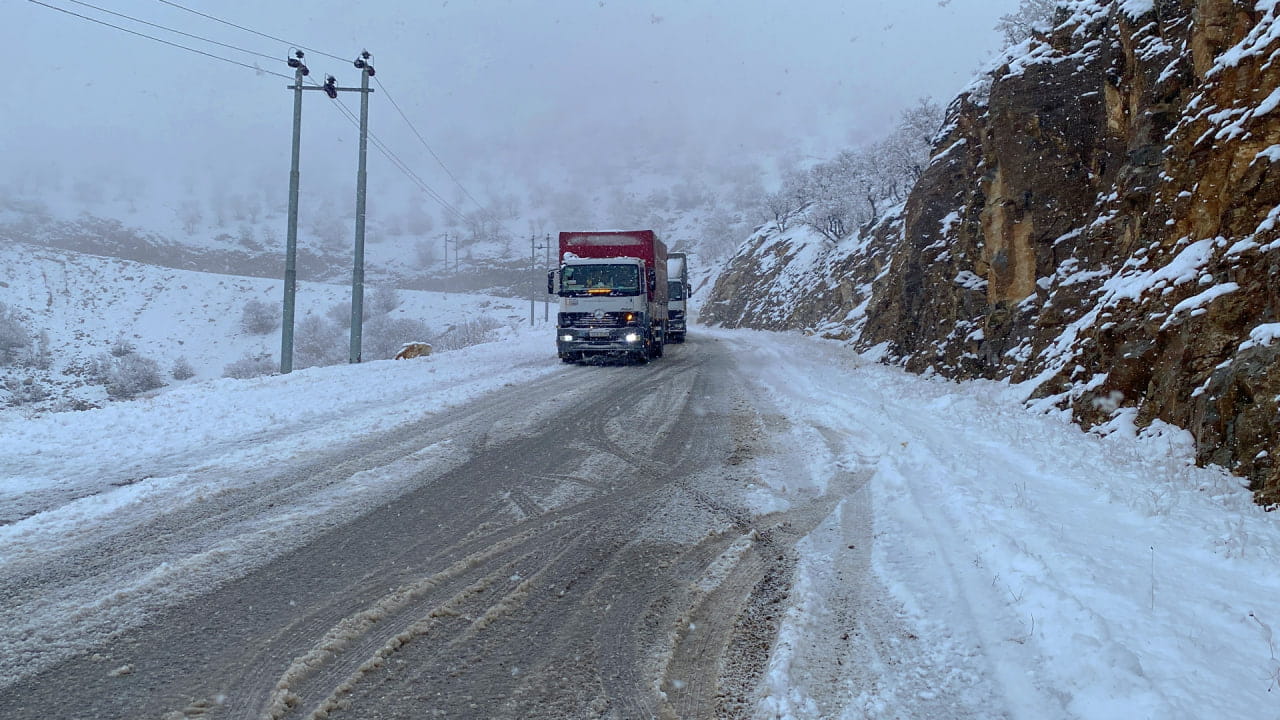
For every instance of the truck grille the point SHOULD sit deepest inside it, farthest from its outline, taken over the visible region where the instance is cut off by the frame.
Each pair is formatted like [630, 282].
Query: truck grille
[589, 320]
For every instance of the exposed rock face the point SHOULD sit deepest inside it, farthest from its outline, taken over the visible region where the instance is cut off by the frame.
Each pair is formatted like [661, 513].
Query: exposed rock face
[1102, 221]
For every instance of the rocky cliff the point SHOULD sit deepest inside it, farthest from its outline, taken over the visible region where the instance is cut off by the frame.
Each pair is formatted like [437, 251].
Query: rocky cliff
[1100, 219]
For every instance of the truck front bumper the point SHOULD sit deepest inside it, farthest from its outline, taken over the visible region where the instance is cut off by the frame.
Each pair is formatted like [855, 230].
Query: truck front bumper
[593, 341]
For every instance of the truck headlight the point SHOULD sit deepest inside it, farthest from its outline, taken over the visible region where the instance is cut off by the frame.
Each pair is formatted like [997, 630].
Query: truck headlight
[566, 338]
[631, 337]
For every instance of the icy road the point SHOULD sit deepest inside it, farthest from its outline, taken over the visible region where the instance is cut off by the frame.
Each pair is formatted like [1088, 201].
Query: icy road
[755, 526]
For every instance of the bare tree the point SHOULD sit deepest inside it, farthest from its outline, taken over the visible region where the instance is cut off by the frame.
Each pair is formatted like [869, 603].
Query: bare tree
[854, 187]
[14, 336]
[781, 207]
[1030, 16]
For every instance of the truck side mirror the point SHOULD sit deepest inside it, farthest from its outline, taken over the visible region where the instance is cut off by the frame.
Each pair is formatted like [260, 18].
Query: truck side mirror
[653, 280]
[551, 282]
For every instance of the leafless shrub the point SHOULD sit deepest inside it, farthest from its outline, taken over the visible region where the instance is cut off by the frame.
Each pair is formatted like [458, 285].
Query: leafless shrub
[250, 366]
[379, 301]
[384, 336]
[383, 300]
[319, 342]
[122, 347]
[14, 337]
[259, 318]
[467, 333]
[23, 391]
[127, 375]
[182, 369]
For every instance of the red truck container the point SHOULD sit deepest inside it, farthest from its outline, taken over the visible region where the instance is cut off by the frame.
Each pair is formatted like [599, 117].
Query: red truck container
[613, 295]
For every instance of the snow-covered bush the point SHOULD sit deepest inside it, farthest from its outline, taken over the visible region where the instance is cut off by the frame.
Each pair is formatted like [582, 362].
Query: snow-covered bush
[250, 366]
[22, 391]
[340, 314]
[378, 301]
[14, 337]
[39, 354]
[467, 333]
[259, 318]
[383, 336]
[383, 300]
[318, 341]
[182, 369]
[127, 375]
[122, 347]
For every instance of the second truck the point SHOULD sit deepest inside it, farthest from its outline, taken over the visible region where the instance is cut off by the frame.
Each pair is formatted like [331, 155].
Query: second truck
[613, 295]
[678, 292]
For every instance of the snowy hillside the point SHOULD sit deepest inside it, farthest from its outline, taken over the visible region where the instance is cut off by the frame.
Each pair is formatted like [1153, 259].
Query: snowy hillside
[86, 304]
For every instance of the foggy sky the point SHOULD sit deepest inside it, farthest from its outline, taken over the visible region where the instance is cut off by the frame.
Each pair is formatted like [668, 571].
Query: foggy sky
[502, 90]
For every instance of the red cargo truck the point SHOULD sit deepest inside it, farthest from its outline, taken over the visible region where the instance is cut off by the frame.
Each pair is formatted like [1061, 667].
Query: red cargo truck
[613, 295]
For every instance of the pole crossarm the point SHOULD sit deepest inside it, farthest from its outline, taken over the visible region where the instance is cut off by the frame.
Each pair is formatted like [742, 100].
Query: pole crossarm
[336, 89]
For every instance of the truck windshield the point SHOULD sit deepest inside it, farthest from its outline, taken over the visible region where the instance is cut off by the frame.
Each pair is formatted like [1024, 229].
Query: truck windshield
[675, 290]
[600, 280]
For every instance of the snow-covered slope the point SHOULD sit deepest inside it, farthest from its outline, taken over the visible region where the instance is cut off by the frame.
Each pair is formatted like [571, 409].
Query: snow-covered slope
[86, 303]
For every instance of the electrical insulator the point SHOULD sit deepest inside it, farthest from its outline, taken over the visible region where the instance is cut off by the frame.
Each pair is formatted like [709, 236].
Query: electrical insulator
[330, 87]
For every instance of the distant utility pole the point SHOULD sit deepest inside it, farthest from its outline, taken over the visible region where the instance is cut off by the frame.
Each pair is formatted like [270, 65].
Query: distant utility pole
[546, 306]
[533, 276]
[364, 63]
[449, 239]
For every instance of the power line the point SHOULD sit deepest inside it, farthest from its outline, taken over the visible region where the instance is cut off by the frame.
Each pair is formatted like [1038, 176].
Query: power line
[176, 32]
[251, 30]
[399, 164]
[422, 140]
[382, 87]
[160, 40]
[382, 147]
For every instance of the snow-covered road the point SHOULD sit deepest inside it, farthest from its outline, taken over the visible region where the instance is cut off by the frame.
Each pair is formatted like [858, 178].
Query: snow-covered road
[972, 558]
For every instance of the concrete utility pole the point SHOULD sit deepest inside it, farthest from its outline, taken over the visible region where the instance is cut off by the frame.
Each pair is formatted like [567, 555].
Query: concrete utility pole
[533, 278]
[365, 65]
[291, 242]
[331, 89]
[448, 238]
[546, 306]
